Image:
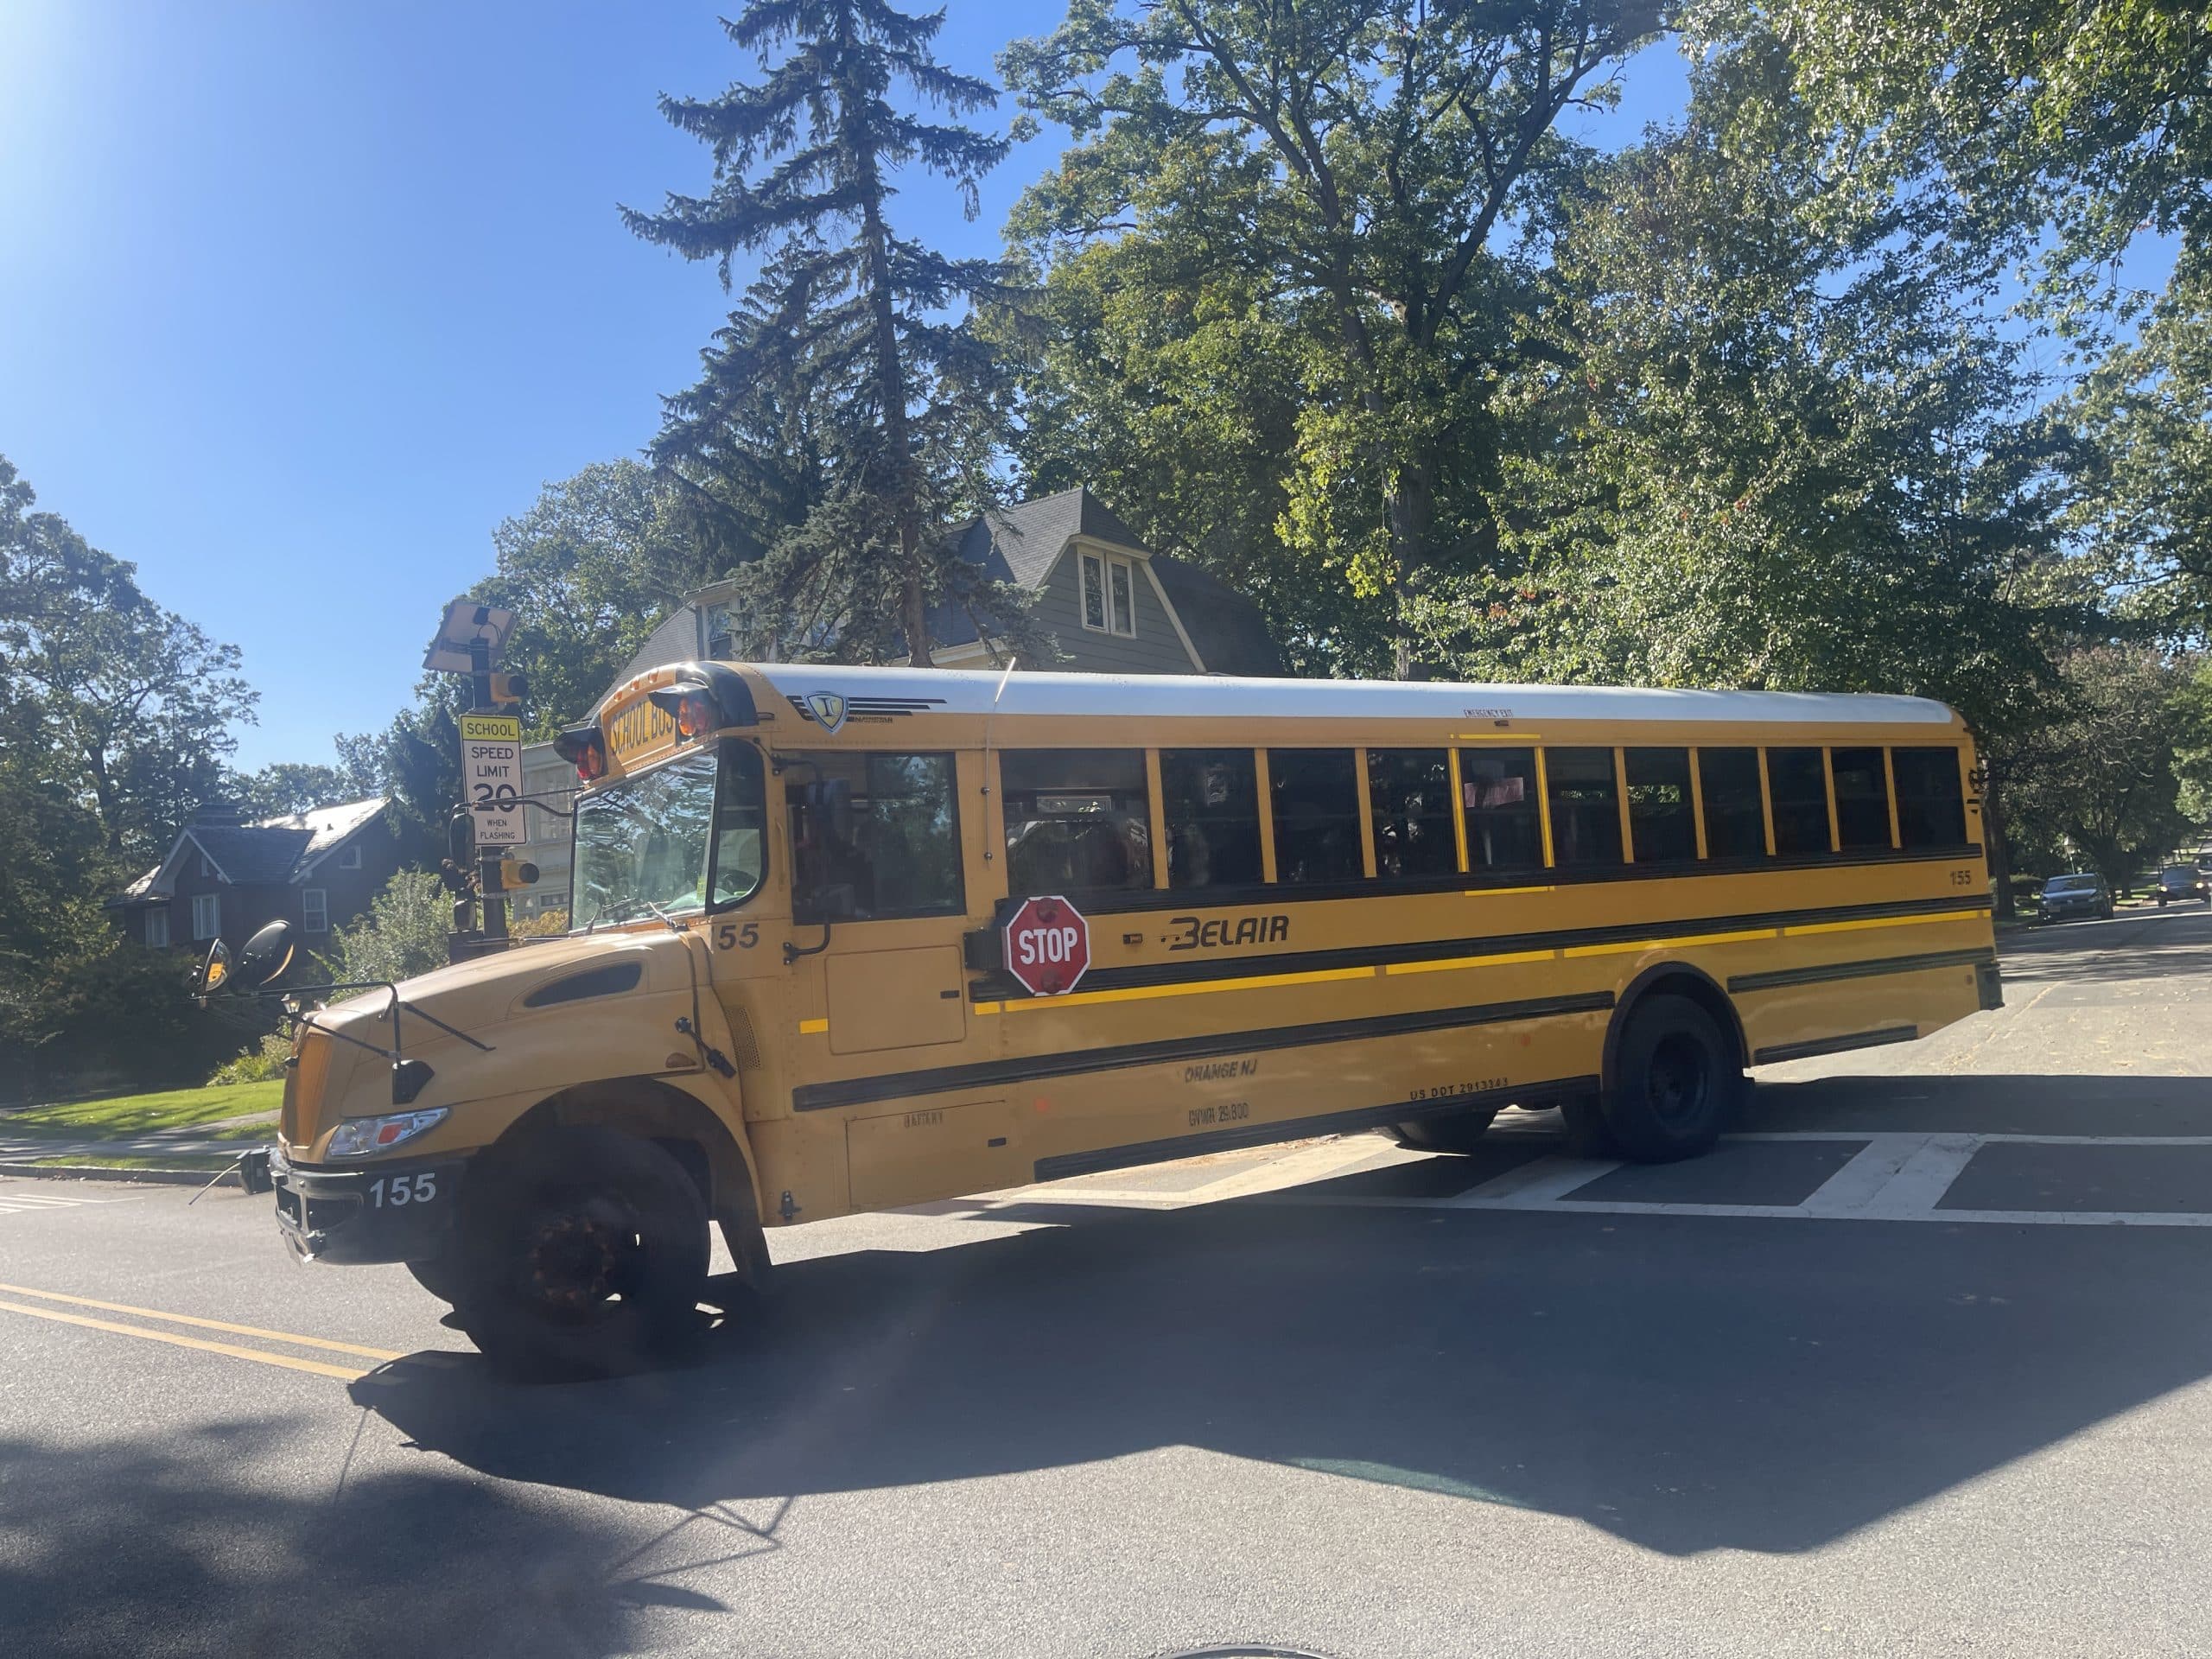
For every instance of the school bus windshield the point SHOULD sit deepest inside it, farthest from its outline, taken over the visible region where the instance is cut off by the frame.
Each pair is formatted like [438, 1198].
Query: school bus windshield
[642, 843]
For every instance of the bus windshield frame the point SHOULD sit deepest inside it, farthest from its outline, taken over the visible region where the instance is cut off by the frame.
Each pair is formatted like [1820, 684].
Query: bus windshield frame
[685, 838]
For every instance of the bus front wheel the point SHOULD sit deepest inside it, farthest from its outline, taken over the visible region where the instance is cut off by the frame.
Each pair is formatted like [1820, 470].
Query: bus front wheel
[1675, 1081]
[584, 1255]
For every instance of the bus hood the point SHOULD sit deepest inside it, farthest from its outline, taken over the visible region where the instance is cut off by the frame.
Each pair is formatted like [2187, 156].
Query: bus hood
[488, 991]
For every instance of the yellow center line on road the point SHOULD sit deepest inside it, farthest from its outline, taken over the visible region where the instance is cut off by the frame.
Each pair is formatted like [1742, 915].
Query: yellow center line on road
[290, 1361]
[205, 1324]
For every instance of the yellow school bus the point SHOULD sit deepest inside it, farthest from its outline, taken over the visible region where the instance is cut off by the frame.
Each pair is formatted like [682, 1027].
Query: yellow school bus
[845, 939]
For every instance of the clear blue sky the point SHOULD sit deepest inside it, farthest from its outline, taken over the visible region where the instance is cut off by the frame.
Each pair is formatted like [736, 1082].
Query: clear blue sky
[297, 303]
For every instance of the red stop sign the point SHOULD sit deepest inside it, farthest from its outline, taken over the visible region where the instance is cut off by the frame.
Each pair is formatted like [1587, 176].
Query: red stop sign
[1047, 946]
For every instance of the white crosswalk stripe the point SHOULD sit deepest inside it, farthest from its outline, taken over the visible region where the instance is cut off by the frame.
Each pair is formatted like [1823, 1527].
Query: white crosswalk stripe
[16, 1201]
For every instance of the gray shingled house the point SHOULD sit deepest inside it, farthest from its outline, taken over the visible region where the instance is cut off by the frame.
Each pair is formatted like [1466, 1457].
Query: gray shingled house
[1111, 604]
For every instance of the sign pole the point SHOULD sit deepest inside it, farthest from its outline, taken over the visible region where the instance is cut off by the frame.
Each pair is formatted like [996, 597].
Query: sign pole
[489, 885]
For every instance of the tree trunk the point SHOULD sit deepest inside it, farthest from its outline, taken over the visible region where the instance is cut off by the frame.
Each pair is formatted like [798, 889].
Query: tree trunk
[1995, 850]
[1412, 517]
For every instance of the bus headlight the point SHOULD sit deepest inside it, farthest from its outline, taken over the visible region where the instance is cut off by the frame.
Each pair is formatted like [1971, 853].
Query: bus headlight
[357, 1137]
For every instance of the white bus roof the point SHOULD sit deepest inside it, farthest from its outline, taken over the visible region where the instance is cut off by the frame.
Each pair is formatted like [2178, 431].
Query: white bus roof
[955, 691]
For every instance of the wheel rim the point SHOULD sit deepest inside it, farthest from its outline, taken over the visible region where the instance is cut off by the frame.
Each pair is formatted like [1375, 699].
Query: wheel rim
[578, 1258]
[1678, 1081]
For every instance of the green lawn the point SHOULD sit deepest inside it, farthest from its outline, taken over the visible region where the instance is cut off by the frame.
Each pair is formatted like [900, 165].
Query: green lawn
[129, 1115]
[209, 1162]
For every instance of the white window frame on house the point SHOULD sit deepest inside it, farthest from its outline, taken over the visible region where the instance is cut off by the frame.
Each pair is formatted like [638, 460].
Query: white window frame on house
[206, 916]
[315, 910]
[157, 928]
[1121, 618]
[349, 858]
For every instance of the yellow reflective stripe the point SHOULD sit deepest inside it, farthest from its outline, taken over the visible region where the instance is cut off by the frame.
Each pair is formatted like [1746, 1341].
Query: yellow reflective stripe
[812, 1027]
[1883, 921]
[1450, 962]
[1491, 892]
[1145, 993]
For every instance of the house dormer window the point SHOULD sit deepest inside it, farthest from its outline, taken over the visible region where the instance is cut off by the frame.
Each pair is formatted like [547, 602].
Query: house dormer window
[1109, 594]
[349, 858]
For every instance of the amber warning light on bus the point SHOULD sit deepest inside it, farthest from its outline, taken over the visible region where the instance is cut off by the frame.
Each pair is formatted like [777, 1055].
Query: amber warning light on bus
[583, 747]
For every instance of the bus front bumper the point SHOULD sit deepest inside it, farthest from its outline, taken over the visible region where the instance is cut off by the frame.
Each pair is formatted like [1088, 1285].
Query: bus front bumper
[398, 1211]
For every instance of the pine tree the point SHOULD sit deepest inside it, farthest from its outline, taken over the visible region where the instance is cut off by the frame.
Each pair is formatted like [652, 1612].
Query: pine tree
[843, 339]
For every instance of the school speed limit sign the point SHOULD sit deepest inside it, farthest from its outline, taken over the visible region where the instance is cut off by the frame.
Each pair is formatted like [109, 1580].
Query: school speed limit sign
[490, 773]
[1047, 946]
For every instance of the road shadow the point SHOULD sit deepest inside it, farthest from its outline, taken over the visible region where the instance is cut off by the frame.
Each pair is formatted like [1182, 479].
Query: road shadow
[1986, 1104]
[166, 1543]
[1688, 1384]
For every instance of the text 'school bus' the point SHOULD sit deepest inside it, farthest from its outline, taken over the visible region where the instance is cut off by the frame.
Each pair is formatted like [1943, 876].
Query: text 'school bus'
[845, 939]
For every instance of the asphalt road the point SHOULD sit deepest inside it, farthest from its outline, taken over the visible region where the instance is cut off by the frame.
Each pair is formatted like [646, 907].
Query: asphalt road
[1917, 1366]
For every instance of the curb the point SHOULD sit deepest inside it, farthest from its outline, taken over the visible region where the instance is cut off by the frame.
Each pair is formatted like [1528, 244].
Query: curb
[107, 1173]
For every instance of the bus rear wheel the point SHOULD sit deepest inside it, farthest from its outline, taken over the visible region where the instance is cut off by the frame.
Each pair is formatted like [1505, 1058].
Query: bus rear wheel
[1461, 1131]
[584, 1256]
[1675, 1081]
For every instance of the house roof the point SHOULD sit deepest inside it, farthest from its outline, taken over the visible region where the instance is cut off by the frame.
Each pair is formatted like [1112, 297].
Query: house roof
[262, 853]
[1225, 626]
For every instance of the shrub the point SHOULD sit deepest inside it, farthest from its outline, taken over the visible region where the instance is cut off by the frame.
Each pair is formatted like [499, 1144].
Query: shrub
[261, 1064]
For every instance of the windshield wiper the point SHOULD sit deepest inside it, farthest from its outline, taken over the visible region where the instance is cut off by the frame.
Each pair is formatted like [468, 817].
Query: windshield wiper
[624, 903]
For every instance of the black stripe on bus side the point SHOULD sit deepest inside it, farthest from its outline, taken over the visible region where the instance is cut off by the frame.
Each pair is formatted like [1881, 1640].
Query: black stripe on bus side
[895, 1085]
[998, 987]
[1782, 1052]
[1864, 970]
[1102, 903]
[1260, 1135]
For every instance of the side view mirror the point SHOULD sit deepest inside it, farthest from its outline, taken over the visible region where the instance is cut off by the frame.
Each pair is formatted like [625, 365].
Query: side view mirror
[265, 956]
[215, 972]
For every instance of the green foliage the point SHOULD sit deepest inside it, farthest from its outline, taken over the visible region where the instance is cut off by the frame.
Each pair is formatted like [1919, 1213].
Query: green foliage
[588, 570]
[1768, 447]
[416, 760]
[263, 1063]
[129, 705]
[403, 934]
[285, 787]
[2145, 418]
[1366, 189]
[2058, 128]
[2102, 786]
[844, 421]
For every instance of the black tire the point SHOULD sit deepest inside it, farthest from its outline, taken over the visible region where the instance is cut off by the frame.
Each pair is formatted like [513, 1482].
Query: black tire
[1461, 1131]
[440, 1276]
[583, 1255]
[1675, 1081]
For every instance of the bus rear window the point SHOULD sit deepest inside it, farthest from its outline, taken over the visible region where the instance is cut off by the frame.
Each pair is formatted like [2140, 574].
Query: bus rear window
[1210, 798]
[1498, 787]
[1585, 806]
[1409, 796]
[1075, 819]
[1798, 781]
[1316, 806]
[1735, 817]
[1661, 827]
[1931, 803]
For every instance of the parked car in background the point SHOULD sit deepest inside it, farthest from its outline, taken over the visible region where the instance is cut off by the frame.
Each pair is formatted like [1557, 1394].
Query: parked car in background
[2078, 894]
[2178, 883]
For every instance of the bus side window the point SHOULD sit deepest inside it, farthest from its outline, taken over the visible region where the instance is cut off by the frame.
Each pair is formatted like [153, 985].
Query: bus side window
[1211, 800]
[1735, 817]
[1862, 797]
[900, 854]
[1585, 806]
[1661, 827]
[1316, 807]
[1799, 781]
[1076, 820]
[1409, 791]
[1931, 803]
[1498, 789]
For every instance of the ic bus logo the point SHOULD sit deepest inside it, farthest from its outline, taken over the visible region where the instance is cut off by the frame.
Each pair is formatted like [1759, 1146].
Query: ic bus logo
[827, 707]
